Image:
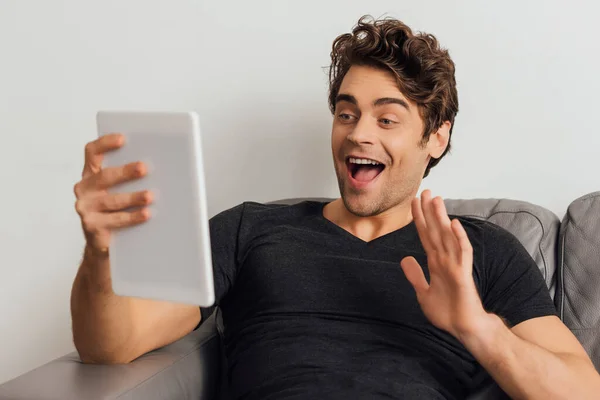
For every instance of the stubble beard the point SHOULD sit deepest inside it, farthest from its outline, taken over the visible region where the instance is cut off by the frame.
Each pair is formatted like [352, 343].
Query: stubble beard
[369, 204]
[364, 207]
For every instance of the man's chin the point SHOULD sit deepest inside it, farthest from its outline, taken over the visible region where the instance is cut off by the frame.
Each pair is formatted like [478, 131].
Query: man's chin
[361, 205]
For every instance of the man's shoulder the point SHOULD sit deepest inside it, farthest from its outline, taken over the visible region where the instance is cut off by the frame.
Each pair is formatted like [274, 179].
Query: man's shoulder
[487, 233]
[252, 212]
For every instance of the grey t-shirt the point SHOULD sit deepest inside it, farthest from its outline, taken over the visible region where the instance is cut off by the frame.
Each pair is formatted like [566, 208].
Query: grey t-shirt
[311, 311]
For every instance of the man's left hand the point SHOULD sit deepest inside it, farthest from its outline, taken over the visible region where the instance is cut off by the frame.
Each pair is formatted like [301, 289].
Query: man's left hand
[450, 299]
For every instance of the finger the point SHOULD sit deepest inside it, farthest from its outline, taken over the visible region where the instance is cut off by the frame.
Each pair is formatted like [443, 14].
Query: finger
[109, 177]
[420, 223]
[123, 219]
[449, 241]
[114, 202]
[433, 228]
[121, 201]
[95, 222]
[466, 249]
[94, 151]
[414, 274]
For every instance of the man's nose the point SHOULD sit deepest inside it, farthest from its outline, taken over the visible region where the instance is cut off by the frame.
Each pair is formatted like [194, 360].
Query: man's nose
[363, 133]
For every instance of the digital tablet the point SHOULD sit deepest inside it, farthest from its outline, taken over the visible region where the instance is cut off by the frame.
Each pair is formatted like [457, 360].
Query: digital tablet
[168, 257]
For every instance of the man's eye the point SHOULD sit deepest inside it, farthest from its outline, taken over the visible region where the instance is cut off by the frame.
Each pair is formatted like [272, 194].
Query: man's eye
[386, 121]
[345, 117]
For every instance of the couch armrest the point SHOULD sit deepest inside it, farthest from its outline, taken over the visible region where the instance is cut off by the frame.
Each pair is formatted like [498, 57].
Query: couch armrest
[186, 369]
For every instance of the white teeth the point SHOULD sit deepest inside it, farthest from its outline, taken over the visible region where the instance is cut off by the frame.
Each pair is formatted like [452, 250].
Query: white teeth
[363, 161]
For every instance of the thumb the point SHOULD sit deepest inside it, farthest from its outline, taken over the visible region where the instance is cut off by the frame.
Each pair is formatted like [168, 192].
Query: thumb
[414, 274]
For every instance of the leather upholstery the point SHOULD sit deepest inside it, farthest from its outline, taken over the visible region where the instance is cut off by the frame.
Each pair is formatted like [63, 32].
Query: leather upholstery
[536, 228]
[186, 369]
[578, 297]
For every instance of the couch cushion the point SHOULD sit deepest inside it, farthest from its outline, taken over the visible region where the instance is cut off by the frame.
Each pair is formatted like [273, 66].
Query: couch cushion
[578, 292]
[536, 227]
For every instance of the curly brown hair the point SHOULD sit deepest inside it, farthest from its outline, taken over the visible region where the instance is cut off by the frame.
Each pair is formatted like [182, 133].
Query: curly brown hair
[424, 71]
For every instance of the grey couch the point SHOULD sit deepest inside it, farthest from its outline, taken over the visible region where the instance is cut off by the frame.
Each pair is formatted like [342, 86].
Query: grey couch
[567, 253]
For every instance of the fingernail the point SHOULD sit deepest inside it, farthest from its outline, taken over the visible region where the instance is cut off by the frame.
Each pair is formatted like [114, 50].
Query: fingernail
[148, 196]
[140, 168]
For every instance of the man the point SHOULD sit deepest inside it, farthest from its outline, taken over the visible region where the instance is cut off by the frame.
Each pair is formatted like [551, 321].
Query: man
[375, 295]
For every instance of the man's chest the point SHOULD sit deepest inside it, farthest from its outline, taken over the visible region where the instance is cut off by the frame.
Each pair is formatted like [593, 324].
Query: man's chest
[350, 296]
[290, 271]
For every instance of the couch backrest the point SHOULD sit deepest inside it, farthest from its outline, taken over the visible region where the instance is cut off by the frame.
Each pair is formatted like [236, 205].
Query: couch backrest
[578, 289]
[536, 227]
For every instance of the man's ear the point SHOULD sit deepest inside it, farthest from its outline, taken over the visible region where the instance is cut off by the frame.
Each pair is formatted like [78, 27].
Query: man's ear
[438, 141]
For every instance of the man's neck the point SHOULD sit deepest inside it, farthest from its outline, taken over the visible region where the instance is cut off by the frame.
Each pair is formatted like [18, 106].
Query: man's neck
[369, 228]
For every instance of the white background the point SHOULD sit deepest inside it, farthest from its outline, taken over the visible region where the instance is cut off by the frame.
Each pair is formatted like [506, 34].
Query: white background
[255, 71]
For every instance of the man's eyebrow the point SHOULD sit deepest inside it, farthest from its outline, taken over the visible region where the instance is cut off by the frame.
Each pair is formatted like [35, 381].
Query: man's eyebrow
[379, 102]
[346, 97]
[390, 100]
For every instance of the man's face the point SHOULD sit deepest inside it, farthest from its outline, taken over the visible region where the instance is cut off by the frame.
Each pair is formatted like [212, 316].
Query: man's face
[376, 141]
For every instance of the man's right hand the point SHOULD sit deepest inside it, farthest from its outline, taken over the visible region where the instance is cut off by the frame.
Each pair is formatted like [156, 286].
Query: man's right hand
[108, 328]
[101, 211]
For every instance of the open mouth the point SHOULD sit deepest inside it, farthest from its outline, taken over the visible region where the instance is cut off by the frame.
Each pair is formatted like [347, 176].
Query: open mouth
[364, 169]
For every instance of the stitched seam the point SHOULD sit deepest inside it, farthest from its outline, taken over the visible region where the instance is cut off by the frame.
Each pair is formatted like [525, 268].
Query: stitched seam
[191, 352]
[567, 224]
[526, 212]
[562, 276]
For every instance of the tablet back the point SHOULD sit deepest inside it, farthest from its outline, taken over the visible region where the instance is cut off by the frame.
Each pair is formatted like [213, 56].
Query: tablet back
[168, 257]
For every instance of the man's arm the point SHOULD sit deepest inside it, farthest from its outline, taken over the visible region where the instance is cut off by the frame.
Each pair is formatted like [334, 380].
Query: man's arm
[108, 328]
[538, 358]
[114, 329]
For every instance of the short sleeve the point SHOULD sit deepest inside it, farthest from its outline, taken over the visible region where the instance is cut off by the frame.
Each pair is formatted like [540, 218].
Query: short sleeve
[224, 237]
[514, 288]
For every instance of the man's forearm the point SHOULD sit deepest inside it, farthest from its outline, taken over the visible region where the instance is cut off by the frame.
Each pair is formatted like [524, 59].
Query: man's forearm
[102, 323]
[527, 371]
